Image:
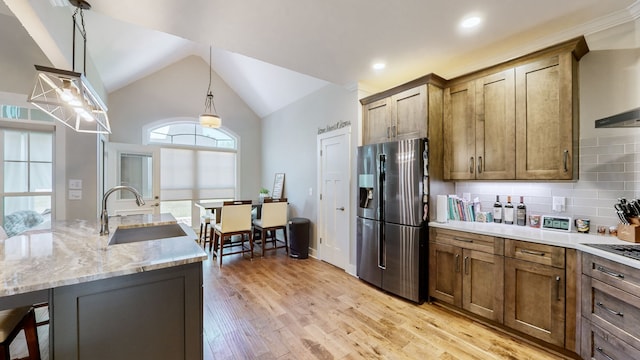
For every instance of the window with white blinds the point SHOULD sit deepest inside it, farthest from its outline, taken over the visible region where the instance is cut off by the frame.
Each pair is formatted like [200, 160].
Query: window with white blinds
[197, 174]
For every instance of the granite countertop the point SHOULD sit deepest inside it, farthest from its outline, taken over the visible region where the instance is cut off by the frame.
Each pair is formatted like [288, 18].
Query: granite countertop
[571, 240]
[73, 252]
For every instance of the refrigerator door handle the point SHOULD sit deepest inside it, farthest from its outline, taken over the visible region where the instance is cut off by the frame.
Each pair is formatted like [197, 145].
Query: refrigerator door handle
[382, 256]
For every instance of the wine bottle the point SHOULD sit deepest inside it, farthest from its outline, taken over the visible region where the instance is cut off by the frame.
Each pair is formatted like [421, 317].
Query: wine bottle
[508, 211]
[497, 210]
[521, 213]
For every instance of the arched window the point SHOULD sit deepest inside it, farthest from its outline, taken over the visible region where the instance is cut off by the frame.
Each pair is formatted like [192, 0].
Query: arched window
[196, 164]
[191, 134]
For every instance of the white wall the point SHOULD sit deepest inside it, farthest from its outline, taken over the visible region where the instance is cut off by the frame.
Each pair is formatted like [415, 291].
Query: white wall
[609, 158]
[179, 91]
[289, 145]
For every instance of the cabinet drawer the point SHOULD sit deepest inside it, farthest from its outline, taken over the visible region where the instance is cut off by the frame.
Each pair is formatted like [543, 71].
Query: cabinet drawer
[598, 343]
[484, 243]
[537, 253]
[612, 273]
[613, 309]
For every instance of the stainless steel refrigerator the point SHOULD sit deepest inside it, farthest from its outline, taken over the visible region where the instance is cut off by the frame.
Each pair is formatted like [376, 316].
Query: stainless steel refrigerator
[392, 211]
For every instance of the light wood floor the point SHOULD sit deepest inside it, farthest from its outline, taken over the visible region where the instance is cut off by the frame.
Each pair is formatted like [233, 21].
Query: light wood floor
[282, 308]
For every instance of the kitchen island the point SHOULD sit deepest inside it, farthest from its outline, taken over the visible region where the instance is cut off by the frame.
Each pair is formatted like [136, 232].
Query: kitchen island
[138, 300]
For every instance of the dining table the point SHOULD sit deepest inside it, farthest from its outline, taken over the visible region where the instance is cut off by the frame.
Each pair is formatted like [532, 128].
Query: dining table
[215, 207]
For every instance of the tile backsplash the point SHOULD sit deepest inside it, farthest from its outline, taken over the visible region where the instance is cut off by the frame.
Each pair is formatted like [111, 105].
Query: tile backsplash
[609, 169]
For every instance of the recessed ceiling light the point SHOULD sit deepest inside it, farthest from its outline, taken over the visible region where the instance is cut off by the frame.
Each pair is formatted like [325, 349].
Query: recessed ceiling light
[471, 22]
[379, 66]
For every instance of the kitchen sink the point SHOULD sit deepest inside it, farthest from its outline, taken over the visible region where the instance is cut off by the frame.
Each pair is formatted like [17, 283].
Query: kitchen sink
[144, 233]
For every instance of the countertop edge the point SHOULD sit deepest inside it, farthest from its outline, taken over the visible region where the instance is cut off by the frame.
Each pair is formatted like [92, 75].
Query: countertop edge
[569, 240]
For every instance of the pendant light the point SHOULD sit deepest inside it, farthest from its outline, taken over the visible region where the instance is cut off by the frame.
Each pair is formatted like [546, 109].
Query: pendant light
[210, 118]
[67, 95]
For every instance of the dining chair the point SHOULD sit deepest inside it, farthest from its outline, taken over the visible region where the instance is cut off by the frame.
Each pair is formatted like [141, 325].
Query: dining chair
[235, 219]
[12, 322]
[274, 217]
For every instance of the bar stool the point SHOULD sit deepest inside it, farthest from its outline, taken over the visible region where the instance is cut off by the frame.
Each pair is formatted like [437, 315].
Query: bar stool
[12, 321]
[205, 228]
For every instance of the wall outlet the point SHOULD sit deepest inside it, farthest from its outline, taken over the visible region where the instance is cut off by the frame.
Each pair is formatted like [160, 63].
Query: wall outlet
[310, 191]
[559, 203]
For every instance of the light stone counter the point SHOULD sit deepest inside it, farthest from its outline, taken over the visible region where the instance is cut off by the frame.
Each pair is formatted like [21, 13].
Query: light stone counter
[73, 252]
[571, 240]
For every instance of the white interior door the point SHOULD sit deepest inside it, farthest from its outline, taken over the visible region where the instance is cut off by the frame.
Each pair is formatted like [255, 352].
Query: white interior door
[333, 222]
[137, 166]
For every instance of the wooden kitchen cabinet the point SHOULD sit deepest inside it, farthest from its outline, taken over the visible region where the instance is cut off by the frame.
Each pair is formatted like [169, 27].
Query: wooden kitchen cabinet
[459, 132]
[516, 120]
[466, 270]
[479, 128]
[610, 309]
[400, 116]
[547, 118]
[534, 297]
[402, 112]
[377, 120]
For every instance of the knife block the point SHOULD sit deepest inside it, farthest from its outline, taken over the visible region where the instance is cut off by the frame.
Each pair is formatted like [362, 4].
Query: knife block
[630, 232]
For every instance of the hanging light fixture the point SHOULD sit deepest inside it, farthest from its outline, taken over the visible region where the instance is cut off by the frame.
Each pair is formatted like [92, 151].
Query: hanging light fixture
[68, 95]
[210, 118]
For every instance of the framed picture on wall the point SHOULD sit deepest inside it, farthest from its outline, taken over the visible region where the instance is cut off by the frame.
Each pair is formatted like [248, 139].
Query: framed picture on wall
[278, 186]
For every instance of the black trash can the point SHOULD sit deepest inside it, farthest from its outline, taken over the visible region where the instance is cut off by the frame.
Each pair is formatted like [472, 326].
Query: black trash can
[299, 238]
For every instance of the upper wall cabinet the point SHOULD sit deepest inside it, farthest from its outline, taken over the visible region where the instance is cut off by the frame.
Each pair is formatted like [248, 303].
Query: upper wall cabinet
[402, 112]
[547, 119]
[517, 120]
[479, 128]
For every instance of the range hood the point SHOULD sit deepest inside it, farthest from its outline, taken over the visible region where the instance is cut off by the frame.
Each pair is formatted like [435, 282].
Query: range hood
[626, 119]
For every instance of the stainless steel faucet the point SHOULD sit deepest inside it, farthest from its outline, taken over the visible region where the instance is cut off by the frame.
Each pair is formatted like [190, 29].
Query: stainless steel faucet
[104, 216]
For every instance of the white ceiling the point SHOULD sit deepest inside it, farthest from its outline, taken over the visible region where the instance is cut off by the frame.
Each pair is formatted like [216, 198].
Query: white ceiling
[274, 52]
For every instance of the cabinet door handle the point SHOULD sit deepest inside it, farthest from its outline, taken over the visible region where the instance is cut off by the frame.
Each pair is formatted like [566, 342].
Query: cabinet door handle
[479, 164]
[565, 157]
[388, 132]
[599, 349]
[471, 165]
[558, 287]
[457, 263]
[609, 272]
[394, 131]
[531, 252]
[462, 239]
[601, 305]
[466, 265]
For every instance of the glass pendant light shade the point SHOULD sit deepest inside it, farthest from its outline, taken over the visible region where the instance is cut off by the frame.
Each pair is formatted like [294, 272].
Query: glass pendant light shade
[210, 118]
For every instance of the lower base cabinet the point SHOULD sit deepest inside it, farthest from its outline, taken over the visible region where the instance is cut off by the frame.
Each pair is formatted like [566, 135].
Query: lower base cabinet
[610, 310]
[149, 315]
[466, 270]
[598, 343]
[534, 282]
[534, 300]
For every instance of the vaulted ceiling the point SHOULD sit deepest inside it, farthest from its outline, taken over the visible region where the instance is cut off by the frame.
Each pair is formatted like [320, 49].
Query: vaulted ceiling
[274, 52]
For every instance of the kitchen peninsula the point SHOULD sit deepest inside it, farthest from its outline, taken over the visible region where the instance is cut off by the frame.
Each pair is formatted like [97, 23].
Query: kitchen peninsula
[138, 300]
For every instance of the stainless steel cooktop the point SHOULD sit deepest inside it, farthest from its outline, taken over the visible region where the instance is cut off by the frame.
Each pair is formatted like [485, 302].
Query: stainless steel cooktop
[630, 251]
